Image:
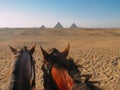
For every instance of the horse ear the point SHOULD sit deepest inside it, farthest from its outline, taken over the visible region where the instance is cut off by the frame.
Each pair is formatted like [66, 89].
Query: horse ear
[44, 53]
[13, 50]
[65, 51]
[32, 49]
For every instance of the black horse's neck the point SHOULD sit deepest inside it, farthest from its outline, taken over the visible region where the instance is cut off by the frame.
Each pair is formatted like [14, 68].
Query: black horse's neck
[19, 77]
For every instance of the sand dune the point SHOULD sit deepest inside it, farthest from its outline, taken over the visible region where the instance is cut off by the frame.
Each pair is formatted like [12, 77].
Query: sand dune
[98, 50]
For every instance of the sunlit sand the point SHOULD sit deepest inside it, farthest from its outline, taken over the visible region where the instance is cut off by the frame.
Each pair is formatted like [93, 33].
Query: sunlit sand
[98, 50]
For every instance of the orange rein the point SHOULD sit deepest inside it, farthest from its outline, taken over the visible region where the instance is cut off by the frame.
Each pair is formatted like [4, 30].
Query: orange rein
[62, 79]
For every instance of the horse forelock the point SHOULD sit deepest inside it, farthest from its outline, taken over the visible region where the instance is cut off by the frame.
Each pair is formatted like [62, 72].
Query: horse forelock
[53, 51]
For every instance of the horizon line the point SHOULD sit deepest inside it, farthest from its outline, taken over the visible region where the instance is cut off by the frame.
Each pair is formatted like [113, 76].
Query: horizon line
[60, 28]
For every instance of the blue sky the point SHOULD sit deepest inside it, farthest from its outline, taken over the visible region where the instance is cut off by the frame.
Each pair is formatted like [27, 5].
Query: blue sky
[34, 13]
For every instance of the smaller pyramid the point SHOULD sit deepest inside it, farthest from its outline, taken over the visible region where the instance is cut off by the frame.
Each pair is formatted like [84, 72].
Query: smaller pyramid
[74, 26]
[42, 27]
[58, 25]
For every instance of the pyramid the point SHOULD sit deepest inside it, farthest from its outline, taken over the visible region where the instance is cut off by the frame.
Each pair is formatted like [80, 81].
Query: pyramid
[58, 26]
[74, 26]
[42, 27]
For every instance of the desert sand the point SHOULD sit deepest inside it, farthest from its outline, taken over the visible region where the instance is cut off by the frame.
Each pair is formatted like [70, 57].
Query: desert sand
[98, 50]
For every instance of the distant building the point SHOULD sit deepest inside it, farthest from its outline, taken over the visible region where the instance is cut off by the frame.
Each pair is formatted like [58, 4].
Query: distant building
[58, 26]
[73, 26]
[42, 27]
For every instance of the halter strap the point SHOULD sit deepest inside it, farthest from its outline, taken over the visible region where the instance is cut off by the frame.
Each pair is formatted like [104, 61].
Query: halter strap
[49, 68]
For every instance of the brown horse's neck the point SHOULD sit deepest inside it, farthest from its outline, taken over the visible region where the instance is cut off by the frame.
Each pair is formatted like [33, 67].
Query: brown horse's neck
[62, 79]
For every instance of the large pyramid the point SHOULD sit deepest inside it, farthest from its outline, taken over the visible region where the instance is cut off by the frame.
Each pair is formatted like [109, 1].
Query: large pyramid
[58, 26]
[42, 27]
[74, 26]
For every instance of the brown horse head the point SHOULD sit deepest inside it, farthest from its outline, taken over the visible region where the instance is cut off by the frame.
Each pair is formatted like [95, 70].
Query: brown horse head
[58, 71]
[61, 73]
[23, 71]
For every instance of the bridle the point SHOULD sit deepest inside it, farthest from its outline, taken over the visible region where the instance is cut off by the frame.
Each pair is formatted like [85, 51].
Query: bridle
[47, 73]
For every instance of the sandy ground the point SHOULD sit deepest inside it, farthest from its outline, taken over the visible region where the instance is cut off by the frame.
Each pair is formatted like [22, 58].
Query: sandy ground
[98, 50]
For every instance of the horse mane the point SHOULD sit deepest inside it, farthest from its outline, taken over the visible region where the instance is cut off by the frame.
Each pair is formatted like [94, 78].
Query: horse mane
[16, 66]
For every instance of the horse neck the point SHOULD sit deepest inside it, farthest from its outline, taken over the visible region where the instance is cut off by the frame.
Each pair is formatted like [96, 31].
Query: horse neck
[20, 74]
[62, 79]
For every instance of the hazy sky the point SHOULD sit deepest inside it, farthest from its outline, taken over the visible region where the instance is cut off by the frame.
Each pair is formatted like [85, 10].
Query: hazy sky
[34, 13]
